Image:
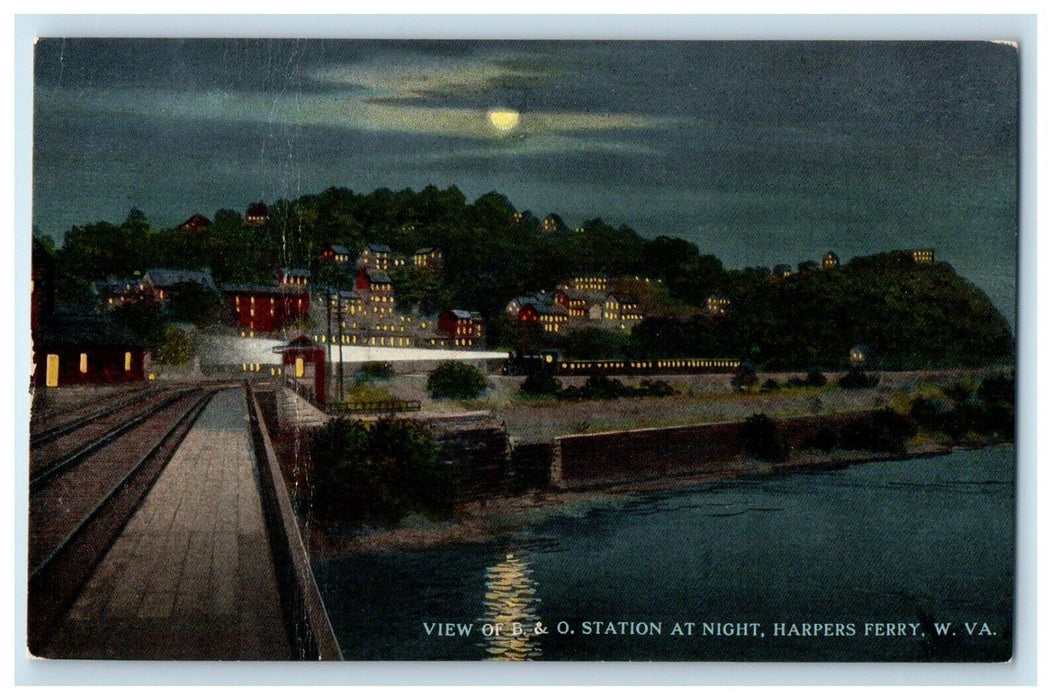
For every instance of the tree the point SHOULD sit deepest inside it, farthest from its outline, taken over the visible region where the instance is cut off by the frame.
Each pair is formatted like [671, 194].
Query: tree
[760, 438]
[178, 348]
[377, 473]
[456, 380]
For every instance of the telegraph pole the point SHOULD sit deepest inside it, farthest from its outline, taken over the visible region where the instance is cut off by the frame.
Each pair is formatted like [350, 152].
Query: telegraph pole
[341, 370]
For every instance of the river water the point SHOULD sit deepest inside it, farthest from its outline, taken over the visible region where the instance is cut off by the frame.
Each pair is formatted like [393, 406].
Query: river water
[914, 543]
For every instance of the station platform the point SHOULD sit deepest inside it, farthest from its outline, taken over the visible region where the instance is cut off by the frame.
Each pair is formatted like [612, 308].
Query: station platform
[191, 576]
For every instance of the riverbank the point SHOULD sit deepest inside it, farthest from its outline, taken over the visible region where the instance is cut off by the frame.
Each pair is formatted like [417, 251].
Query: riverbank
[488, 519]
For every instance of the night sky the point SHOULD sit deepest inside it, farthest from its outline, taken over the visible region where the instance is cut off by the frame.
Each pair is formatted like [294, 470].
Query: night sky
[758, 152]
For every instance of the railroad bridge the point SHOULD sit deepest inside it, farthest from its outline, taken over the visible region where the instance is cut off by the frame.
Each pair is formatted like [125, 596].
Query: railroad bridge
[160, 528]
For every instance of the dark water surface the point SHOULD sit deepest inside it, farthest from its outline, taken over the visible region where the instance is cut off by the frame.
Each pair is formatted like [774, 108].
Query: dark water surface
[916, 542]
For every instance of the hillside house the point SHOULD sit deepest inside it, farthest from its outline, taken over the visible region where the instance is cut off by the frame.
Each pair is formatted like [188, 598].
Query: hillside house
[265, 309]
[428, 259]
[515, 305]
[114, 291]
[782, 271]
[162, 282]
[196, 223]
[717, 305]
[376, 289]
[622, 310]
[573, 300]
[376, 257]
[338, 254]
[590, 284]
[462, 328]
[551, 317]
[292, 277]
[829, 261]
[256, 215]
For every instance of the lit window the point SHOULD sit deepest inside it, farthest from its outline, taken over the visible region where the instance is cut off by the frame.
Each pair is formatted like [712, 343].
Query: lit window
[84, 363]
[128, 362]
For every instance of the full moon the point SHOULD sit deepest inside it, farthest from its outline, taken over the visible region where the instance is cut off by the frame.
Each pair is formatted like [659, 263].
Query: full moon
[503, 119]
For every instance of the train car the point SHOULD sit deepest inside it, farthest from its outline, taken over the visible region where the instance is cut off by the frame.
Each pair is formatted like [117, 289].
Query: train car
[708, 365]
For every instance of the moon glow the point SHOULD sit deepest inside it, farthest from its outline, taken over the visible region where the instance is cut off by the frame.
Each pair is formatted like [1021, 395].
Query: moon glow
[503, 119]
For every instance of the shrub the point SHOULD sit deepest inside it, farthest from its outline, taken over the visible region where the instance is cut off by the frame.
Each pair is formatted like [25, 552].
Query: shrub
[884, 430]
[760, 438]
[456, 380]
[377, 473]
[770, 385]
[539, 384]
[815, 378]
[744, 378]
[374, 371]
[825, 439]
[178, 348]
[856, 379]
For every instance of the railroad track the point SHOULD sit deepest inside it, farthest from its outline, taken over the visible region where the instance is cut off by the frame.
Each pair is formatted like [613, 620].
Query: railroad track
[48, 425]
[81, 502]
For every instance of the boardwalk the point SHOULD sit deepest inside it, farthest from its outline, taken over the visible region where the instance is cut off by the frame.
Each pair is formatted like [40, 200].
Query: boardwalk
[191, 575]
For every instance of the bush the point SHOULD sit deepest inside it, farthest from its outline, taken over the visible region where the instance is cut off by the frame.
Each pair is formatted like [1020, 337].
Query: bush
[456, 380]
[760, 438]
[826, 439]
[744, 378]
[178, 348]
[539, 384]
[600, 386]
[770, 385]
[856, 379]
[884, 430]
[377, 473]
[375, 371]
[815, 378]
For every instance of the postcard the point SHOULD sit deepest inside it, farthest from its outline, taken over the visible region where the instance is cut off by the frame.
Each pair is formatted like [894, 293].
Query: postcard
[523, 350]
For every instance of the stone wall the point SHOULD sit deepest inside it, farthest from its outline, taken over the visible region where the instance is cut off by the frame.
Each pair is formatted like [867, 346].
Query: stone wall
[655, 452]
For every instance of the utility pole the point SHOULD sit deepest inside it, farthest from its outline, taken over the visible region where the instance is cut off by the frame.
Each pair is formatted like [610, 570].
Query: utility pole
[341, 370]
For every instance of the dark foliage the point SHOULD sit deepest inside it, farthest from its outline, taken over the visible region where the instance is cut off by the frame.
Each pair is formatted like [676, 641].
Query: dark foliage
[770, 385]
[744, 379]
[760, 438]
[456, 380]
[815, 378]
[600, 386]
[374, 371]
[377, 473]
[914, 316]
[884, 430]
[856, 379]
[540, 384]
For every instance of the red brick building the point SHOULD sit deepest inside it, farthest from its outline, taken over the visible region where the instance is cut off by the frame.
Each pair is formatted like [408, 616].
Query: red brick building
[463, 328]
[85, 350]
[264, 309]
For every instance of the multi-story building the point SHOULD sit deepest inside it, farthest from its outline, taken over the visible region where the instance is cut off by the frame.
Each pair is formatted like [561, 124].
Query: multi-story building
[829, 261]
[265, 309]
[590, 284]
[196, 223]
[717, 305]
[462, 328]
[622, 310]
[573, 300]
[428, 259]
[376, 289]
[376, 257]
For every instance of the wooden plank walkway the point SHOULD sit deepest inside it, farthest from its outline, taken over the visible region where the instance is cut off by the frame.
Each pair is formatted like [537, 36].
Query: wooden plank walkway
[191, 576]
